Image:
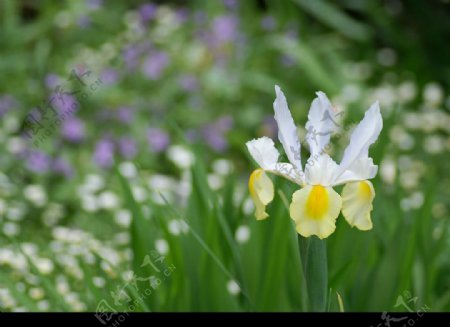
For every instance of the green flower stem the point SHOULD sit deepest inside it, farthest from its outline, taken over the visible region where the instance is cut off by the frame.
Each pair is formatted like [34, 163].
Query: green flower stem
[313, 254]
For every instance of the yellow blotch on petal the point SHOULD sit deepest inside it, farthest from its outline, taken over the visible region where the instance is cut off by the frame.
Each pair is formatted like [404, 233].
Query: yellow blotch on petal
[357, 204]
[317, 203]
[315, 209]
[261, 191]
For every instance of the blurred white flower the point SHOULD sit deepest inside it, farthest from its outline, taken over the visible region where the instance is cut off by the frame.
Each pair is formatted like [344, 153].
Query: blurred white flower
[15, 212]
[99, 281]
[417, 199]
[177, 226]
[89, 203]
[36, 194]
[52, 214]
[139, 193]
[93, 183]
[412, 120]
[36, 293]
[215, 182]
[44, 265]
[350, 93]
[62, 286]
[123, 218]
[248, 206]
[11, 123]
[15, 145]
[233, 287]
[242, 234]
[162, 246]
[128, 169]
[433, 144]
[43, 305]
[11, 229]
[407, 91]
[122, 238]
[433, 94]
[174, 227]
[388, 170]
[387, 57]
[108, 200]
[180, 156]
[222, 167]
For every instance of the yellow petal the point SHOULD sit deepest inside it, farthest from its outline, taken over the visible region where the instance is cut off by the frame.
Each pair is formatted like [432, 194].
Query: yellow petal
[357, 204]
[261, 191]
[315, 209]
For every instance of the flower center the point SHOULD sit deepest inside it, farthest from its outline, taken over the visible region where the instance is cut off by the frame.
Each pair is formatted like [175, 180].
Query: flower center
[317, 203]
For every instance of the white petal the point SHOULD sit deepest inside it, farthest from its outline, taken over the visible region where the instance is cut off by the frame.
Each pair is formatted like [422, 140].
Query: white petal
[287, 131]
[264, 152]
[320, 124]
[361, 169]
[364, 135]
[288, 171]
[320, 170]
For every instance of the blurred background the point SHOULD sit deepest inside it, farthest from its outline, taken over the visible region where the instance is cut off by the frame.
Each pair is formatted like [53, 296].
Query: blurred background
[123, 170]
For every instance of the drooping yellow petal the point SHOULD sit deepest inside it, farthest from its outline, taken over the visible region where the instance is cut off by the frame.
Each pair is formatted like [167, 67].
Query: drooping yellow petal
[261, 191]
[315, 209]
[357, 200]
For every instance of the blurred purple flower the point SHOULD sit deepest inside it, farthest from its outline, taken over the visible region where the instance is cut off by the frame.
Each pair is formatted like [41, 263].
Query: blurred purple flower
[224, 124]
[182, 15]
[51, 81]
[147, 11]
[214, 133]
[94, 4]
[287, 60]
[270, 127]
[191, 135]
[200, 17]
[104, 153]
[63, 167]
[158, 139]
[84, 21]
[131, 54]
[6, 103]
[125, 114]
[109, 76]
[155, 64]
[292, 32]
[127, 147]
[225, 28]
[215, 138]
[38, 162]
[231, 4]
[268, 23]
[63, 101]
[188, 83]
[73, 130]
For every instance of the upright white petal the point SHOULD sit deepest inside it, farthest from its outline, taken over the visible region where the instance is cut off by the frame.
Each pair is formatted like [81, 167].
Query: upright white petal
[320, 124]
[264, 152]
[320, 170]
[287, 131]
[364, 135]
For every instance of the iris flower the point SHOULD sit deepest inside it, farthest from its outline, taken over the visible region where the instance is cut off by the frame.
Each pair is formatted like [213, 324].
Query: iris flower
[316, 205]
